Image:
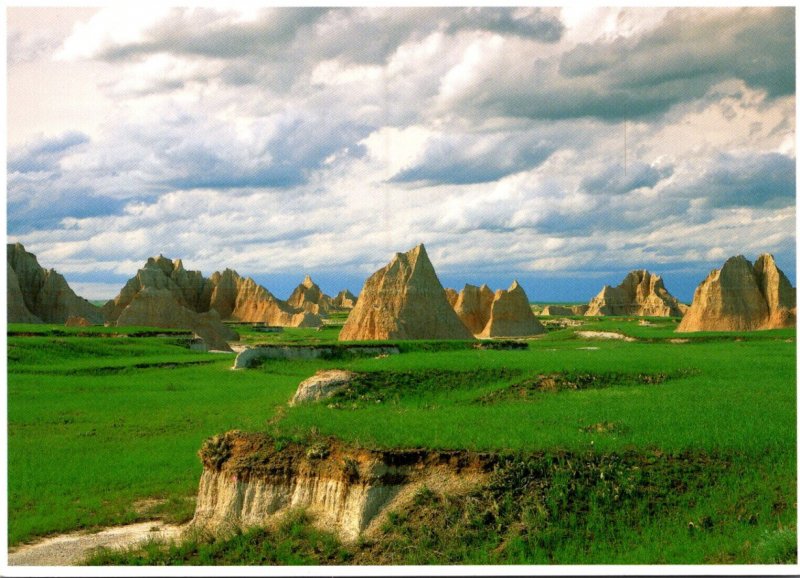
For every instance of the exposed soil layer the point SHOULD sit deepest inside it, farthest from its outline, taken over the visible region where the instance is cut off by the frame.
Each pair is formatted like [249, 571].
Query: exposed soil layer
[424, 506]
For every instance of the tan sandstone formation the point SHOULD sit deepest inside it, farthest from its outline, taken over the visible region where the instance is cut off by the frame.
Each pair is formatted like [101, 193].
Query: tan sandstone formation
[741, 297]
[404, 300]
[309, 297]
[242, 299]
[37, 295]
[344, 300]
[640, 294]
[164, 294]
[77, 321]
[510, 315]
[474, 307]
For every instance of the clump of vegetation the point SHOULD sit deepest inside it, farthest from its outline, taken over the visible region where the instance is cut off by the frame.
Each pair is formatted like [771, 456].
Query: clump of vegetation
[317, 451]
[294, 542]
[776, 547]
[216, 450]
[539, 508]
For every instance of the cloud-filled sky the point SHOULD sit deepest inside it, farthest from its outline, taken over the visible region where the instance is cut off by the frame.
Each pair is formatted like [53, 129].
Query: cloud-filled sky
[561, 147]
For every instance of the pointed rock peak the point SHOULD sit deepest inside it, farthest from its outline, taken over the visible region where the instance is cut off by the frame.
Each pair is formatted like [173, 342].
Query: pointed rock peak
[514, 285]
[163, 263]
[738, 259]
[418, 254]
[307, 282]
[765, 258]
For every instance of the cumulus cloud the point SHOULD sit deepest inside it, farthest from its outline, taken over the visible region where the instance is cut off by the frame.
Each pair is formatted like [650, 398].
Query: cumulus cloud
[475, 158]
[323, 140]
[749, 180]
[637, 76]
[617, 179]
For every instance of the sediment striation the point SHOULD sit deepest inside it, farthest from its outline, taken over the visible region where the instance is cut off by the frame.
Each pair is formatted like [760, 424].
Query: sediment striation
[252, 479]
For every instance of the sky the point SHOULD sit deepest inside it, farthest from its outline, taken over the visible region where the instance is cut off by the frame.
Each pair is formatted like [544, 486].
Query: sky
[560, 147]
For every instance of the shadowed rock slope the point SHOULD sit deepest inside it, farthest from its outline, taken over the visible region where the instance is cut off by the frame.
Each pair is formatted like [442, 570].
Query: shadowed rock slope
[404, 300]
[37, 295]
[641, 294]
[742, 297]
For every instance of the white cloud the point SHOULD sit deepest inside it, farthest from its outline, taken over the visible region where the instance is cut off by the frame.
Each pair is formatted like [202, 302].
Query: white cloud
[327, 139]
[112, 26]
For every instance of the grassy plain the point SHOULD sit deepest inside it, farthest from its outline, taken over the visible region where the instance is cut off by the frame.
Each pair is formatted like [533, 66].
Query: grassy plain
[97, 425]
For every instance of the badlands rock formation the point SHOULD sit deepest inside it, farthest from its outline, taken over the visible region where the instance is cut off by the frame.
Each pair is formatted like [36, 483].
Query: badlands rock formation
[404, 300]
[344, 300]
[229, 295]
[474, 306]
[641, 294]
[164, 294]
[77, 321]
[510, 315]
[242, 299]
[309, 297]
[36, 295]
[778, 292]
[741, 297]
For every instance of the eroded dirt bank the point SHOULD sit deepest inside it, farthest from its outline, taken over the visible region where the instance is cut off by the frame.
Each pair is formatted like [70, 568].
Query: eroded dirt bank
[251, 479]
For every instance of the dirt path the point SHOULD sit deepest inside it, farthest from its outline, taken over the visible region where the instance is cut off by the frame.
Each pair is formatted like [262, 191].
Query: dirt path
[71, 549]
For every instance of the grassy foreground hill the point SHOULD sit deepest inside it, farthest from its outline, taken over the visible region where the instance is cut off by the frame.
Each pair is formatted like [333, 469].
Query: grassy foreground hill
[677, 449]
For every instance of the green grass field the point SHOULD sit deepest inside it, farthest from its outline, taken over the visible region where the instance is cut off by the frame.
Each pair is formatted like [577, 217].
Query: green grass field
[97, 425]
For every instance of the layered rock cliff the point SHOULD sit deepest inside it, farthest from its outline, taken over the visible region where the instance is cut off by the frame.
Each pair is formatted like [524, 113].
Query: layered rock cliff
[250, 480]
[742, 297]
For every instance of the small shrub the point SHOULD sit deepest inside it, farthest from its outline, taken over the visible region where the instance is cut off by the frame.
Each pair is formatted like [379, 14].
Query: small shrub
[216, 450]
[317, 451]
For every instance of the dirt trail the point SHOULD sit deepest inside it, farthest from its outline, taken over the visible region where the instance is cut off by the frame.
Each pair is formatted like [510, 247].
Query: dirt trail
[70, 549]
